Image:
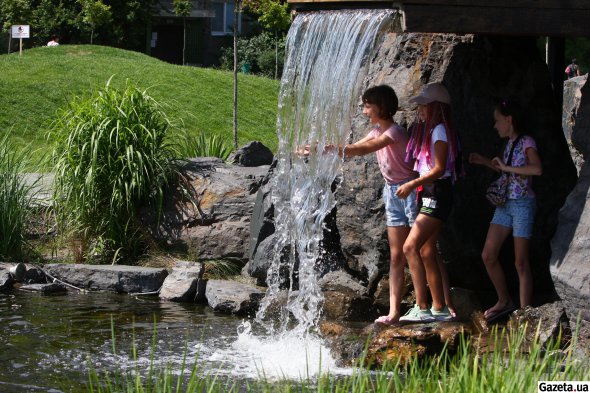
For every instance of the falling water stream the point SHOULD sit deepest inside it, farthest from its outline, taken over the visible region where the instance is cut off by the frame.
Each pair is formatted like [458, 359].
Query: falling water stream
[46, 341]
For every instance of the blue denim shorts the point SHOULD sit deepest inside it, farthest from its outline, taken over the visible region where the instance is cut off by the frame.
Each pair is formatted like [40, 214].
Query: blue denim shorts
[518, 214]
[399, 212]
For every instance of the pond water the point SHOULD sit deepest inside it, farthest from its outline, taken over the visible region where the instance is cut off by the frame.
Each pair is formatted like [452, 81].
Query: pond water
[46, 341]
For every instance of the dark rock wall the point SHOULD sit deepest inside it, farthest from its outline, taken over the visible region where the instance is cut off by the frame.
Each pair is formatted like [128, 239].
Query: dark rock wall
[476, 70]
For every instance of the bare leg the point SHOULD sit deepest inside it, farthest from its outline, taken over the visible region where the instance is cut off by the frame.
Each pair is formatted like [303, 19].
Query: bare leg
[397, 236]
[444, 275]
[424, 228]
[523, 267]
[496, 236]
[429, 253]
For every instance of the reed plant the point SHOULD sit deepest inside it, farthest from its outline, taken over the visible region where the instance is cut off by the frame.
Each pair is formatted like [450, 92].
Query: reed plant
[111, 156]
[205, 146]
[519, 366]
[16, 200]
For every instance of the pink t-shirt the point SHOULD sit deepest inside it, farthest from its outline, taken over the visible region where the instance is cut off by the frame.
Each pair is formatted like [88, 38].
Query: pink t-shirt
[392, 157]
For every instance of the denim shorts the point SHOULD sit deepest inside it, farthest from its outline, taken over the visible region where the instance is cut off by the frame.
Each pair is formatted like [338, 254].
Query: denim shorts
[399, 212]
[518, 214]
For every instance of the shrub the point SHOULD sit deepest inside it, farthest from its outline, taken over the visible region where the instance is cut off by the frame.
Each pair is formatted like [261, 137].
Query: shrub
[251, 49]
[16, 200]
[266, 64]
[205, 146]
[111, 156]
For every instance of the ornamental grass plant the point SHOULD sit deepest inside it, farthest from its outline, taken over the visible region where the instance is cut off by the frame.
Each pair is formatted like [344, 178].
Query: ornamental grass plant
[111, 156]
[16, 200]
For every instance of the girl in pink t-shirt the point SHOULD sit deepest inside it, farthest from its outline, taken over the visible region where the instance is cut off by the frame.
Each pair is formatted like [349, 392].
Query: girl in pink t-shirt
[388, 140]
[517, 214]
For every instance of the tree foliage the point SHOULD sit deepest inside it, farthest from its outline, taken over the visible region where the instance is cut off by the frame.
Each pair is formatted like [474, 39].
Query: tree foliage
[272, 14]
[94, 13]
[126, 27]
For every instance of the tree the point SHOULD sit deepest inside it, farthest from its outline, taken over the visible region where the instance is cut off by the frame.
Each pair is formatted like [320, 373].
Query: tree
[237, 11]
[95, 13]
[273, 15]
[183, 8]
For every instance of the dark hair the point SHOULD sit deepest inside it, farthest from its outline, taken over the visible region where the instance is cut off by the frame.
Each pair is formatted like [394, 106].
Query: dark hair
[384, 98]
[574, 60]
[511, 107]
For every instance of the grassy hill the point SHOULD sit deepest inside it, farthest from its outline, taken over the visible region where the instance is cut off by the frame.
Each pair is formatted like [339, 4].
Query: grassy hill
[34, 86]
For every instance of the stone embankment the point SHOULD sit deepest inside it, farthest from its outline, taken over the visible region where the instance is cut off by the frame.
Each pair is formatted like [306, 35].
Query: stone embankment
[185, 283]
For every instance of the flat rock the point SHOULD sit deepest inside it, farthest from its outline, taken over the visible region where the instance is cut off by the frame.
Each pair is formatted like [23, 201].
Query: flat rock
[184, 283]
[544, 323]
[232, 296]
[45, 288]
[403, 342]
[117, 278]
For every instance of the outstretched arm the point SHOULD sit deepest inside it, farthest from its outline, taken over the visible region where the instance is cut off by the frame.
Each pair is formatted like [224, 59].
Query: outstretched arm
[476, 158]
[362, 147]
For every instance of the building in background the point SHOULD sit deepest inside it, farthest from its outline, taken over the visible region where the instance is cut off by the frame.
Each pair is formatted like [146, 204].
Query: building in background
[208, 28]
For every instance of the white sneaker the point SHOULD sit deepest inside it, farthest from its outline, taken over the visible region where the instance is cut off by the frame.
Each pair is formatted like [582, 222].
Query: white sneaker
[443, 315]
[416, 314]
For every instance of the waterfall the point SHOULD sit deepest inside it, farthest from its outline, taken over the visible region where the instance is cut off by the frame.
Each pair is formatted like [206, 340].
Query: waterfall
[327, 54]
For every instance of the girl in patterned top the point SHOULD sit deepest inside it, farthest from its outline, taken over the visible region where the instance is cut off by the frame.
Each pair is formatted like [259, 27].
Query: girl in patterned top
[517, 214]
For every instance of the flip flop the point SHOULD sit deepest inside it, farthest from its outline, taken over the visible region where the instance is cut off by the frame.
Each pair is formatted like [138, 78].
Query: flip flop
[500, 314]
[385, 320]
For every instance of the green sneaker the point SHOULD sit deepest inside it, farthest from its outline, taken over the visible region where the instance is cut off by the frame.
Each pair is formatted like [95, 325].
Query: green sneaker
[416, 314]
[443, 315]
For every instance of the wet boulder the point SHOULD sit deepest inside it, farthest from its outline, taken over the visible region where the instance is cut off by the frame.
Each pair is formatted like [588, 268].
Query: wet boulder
[345, 298]
[401, 343]
[232, 297]
[184, 283]
[34, 275]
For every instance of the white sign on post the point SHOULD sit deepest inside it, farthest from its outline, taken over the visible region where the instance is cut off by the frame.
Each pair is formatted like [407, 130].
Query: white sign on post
[20, 31]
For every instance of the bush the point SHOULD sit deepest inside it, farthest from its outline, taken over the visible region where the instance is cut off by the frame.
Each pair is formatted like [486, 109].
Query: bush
[266, 64]
[111, 157]
[16, 200]
[256, 51]
[205, 146]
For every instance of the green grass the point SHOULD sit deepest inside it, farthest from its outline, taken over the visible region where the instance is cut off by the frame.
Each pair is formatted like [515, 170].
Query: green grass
[34, 86]
[517, 367]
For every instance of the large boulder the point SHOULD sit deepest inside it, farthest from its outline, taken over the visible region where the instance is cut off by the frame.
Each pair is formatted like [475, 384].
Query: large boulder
[185, 283]
[571, 247]
[214, 222]
[232, 297]
[114, 278]
[252, 154]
